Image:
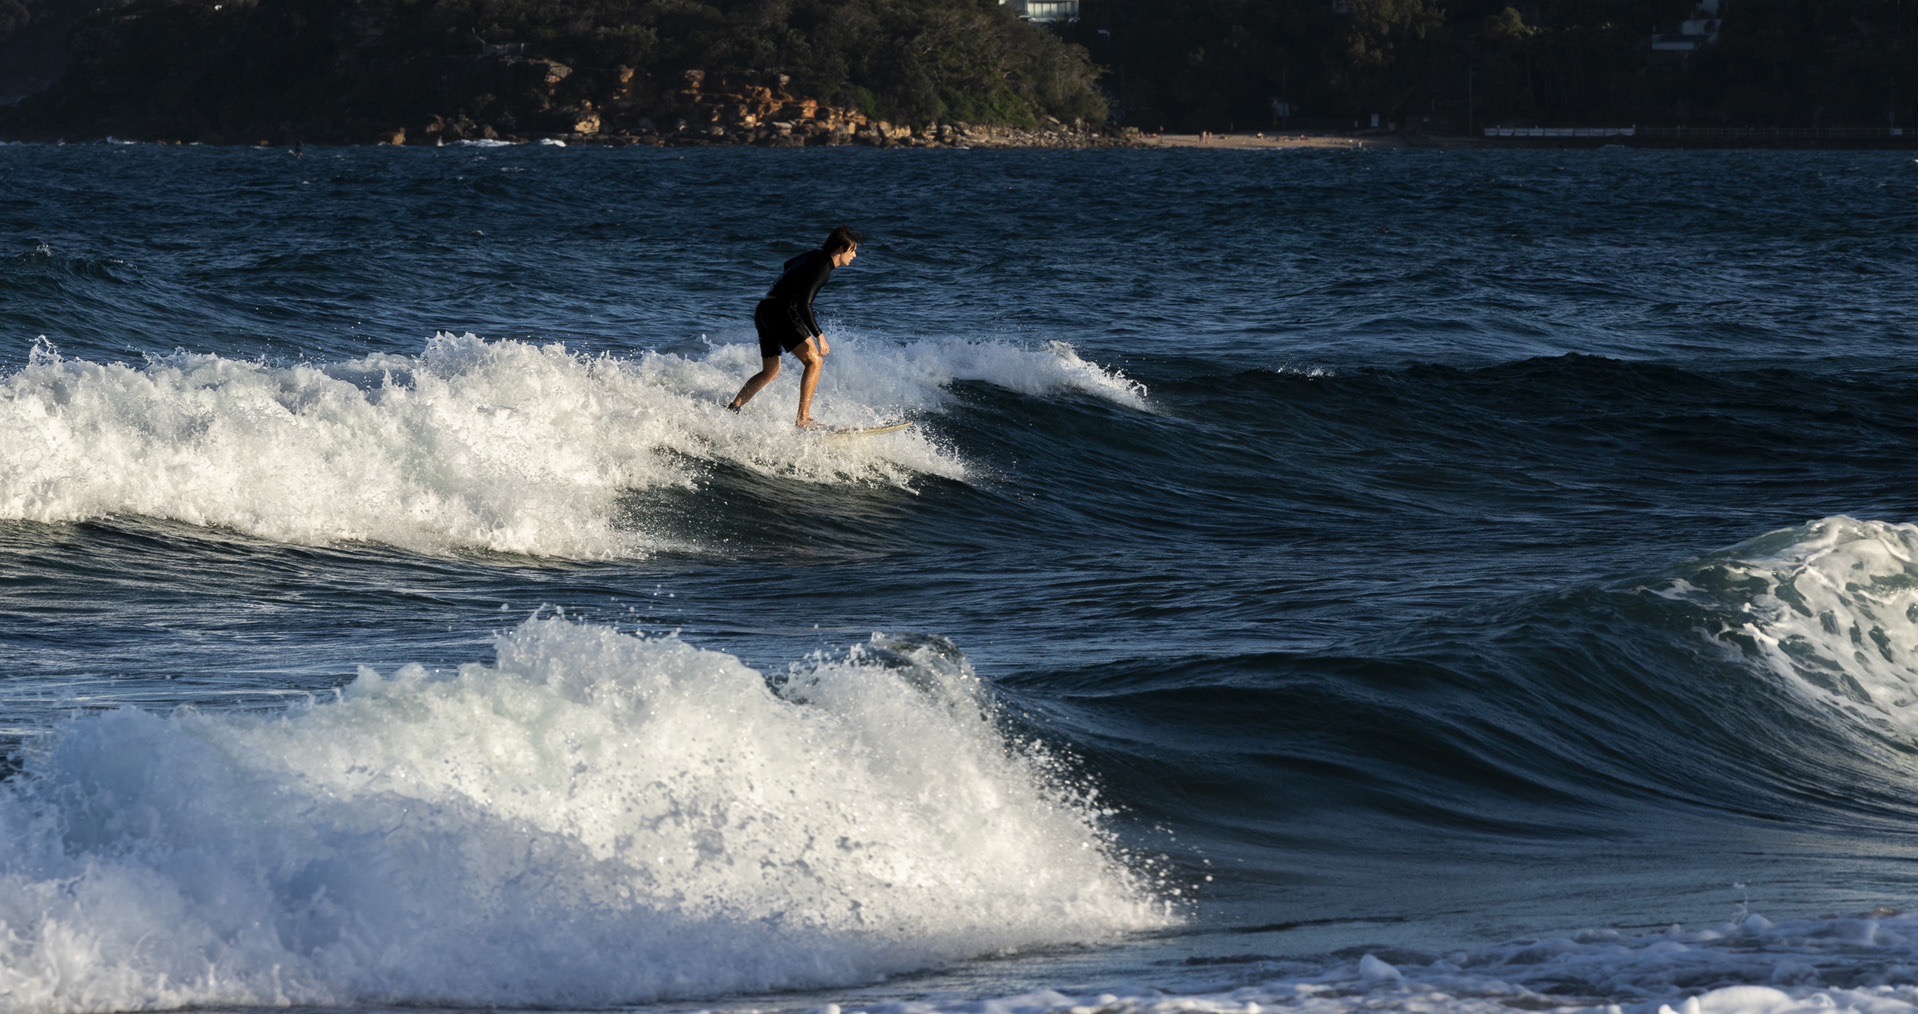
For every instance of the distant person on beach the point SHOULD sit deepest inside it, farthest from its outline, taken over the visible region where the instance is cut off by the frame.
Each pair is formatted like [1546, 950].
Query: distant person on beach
[785, 322]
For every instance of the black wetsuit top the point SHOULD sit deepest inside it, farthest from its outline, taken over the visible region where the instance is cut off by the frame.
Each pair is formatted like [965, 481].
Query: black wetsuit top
[803, 277]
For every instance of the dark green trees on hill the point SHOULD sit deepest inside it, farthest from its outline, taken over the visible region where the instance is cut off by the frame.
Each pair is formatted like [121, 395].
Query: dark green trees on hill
[1216, 64]
[241, 70]
[1803, 63]
[350, 70]
[911, 60]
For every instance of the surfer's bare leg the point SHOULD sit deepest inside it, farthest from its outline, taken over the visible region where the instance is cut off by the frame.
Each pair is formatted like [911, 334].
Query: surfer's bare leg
[768, 370]
[815, 360]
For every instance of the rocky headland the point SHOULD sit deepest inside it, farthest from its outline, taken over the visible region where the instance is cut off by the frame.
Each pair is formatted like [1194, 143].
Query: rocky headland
[763, 115]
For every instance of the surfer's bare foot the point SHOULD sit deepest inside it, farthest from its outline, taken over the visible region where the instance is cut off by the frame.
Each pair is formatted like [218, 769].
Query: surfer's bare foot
[732, 407]
[806, 424]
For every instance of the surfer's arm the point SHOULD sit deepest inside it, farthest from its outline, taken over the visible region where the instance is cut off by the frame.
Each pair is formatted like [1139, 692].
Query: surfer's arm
[822, 270]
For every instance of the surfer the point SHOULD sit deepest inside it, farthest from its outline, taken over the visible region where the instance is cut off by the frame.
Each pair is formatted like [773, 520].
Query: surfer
[785, 322]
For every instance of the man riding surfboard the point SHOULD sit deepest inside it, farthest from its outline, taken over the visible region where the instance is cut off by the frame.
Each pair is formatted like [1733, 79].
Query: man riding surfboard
[784, 320]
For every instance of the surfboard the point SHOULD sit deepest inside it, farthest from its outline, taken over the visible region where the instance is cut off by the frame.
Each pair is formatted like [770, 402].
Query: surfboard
[848, 432]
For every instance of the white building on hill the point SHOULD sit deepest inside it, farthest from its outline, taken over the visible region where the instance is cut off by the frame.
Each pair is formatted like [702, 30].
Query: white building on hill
[1700, 30]
[1050, 11]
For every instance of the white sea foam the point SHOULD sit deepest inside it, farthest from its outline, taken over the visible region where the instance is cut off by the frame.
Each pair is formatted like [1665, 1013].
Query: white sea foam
[1308, 372]
[1831, 607]
[915, 374]
[597, 818]
[472, 444]
[1750, 966]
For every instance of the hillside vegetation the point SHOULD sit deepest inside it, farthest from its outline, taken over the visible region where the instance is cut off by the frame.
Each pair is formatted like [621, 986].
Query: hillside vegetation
[1215, 64]
[829, 71]
[351, 70]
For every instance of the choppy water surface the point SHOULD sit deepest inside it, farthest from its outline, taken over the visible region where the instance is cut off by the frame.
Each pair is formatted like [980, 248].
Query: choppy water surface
[1317, 580]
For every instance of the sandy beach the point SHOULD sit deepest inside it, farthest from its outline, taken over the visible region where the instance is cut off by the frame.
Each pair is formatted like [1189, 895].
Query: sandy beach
[1253, 139]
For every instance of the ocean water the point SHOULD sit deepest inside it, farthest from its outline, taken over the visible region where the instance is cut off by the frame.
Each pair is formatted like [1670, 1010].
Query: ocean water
[1315, 581]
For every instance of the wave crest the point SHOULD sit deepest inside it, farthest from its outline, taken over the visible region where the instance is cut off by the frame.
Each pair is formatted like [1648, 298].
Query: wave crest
[1831, 607]
[500, 446]
[596, 818]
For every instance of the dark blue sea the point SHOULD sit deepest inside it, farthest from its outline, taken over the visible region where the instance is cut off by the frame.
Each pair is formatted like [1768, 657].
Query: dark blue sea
[1316, 581]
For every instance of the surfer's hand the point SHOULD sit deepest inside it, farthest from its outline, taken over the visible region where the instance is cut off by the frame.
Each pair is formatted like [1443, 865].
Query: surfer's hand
[824, 348]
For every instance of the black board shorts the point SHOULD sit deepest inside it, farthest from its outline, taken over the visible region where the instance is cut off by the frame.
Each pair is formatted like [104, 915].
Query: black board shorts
[779, 328]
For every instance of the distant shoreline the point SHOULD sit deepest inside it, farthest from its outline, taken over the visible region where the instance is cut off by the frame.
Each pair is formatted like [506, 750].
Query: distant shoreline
[1757, 139]
[1004, 139]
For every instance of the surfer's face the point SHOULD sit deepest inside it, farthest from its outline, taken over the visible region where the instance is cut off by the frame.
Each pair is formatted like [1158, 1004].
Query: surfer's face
[844, 257]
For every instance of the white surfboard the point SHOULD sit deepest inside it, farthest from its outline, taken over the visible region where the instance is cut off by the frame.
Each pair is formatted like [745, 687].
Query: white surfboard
[848, 432]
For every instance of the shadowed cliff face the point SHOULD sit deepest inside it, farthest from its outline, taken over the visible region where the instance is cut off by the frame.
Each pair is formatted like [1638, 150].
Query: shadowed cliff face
[253, 71]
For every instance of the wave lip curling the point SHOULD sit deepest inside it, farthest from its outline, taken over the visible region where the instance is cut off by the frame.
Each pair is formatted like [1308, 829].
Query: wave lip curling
[1830, 607]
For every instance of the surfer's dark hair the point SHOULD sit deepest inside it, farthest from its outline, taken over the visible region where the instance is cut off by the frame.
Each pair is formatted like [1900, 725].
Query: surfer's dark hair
[842, 238]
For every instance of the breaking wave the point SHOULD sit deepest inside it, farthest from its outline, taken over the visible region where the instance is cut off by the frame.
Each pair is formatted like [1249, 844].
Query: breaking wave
[499, 446]
[1830, 607]
[596, 818]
